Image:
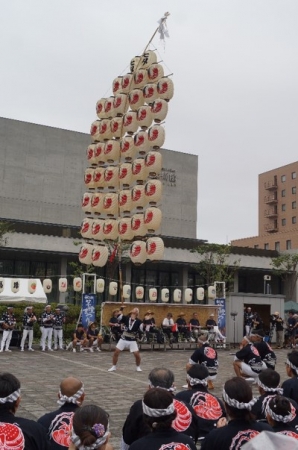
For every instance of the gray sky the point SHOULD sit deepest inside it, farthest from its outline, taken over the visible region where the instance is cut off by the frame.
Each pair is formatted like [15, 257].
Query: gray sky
[235, 66]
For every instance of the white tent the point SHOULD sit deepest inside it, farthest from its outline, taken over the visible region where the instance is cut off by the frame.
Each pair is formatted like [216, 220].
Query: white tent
[23, 294]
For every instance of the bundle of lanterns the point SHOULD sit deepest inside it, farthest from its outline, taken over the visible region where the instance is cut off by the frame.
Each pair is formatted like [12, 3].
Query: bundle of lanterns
[123, 190]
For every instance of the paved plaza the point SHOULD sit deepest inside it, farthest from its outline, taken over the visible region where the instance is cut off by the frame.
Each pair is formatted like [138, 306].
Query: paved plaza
[41, 372]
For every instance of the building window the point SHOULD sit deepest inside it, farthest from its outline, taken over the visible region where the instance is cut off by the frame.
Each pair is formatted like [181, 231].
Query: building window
[277, 246]
[293, 205]
[294, 219]
[283, 222]
[293, 175]
[294, 190]
[283, 193]
[283, 178]
[289, 245]
[266, 246]
[283, 207]
[256, 246]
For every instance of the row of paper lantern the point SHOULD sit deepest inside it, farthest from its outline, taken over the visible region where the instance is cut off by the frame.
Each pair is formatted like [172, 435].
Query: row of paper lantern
[113, 177]
[15, 285]
[127, 228]
[128, 199]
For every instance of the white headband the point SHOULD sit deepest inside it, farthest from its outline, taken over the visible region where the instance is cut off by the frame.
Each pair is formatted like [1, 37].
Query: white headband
[11, 397]
[194, 381]
[99, 441]
[74, 399]
[277, 417]
[292, 365]
[202, 342]
[239, 405]
[171, 389]
[265, 388]
[158, 412]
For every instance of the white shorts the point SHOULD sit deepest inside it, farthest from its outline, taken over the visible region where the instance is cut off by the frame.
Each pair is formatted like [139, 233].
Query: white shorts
[131, 345]
[247, 370]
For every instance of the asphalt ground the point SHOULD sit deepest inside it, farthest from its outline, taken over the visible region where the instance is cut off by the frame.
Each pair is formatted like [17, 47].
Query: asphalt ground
[40, 374]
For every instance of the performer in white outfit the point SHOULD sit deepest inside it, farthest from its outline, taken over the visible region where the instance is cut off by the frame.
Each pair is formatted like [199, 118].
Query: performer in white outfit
[8, 324]
[47, 320]
[29, 319]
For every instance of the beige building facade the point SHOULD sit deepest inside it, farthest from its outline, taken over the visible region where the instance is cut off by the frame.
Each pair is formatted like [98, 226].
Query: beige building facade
[278, 213]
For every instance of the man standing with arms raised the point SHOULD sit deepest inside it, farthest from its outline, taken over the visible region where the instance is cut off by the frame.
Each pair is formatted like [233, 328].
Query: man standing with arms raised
[128, 338]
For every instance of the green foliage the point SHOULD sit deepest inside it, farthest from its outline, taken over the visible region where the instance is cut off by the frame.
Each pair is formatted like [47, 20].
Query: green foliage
[285, 266]
[5, 228]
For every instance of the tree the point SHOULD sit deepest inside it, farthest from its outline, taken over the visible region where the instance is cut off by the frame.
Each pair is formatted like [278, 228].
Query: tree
[216, 265]
[285, 266]
[5, 229]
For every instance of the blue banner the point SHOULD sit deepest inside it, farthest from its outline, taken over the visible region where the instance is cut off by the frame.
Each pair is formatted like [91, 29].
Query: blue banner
[88, 309]
[221, 302]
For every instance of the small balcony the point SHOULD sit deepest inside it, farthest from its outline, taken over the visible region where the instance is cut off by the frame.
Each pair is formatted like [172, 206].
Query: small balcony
[271, 227]
[270, 199]
[270, 213]
[270, 185]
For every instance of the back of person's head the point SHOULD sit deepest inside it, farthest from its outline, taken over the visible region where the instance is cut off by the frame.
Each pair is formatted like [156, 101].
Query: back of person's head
[197, 374]
[71, 391]
[293, 361]
[269, 380]
[279, 409]
[237, 395]
[9, 392]
[158, 408]
[90, 427]
[161, 377]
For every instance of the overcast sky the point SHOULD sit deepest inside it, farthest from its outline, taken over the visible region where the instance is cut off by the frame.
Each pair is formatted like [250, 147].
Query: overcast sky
[235, 70]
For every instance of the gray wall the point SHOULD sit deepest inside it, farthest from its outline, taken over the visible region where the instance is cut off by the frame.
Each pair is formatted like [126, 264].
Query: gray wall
[42, 171]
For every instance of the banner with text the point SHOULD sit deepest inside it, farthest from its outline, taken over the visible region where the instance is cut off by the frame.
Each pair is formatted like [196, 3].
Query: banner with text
[221, 302]
[88, 309]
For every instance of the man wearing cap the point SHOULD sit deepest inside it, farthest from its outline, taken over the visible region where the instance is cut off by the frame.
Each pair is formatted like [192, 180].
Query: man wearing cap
[58, 424]
[115, 324]
[58, 321]
[217, 336]
[182, 326]
[29, 320]
[277, 322]
[8, 325]
[47, 320]
[128, 338]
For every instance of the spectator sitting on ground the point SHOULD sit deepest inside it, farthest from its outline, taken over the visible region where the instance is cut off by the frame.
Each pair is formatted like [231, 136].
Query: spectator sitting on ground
[79, 337]
[207, 356]
[290, 387]
[280, 416]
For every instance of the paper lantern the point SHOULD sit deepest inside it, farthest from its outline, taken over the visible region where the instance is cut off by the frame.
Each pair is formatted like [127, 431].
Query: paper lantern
[113, 288]
[125, 174]
[150, 93]
[97, 203]
[86, 228]
[136, 99]
[144, 117]
[126, 291]
[100, 108]
[156, 136]
[200, 294]
[86, 202]
[124, 229]
[105, 131]
[139, 292]
[155, 248]
[109, 108]
[155, 72]
[110, 204]
[147, 58]
[100, 285]
[85, 254]
[152, 218]
[141, 142]
[127, 83]
[137, 252]
[99, 154]
[117, 127]
[134, 63]
[159, 109]
[177, 295]
[165, 88]
[100, 255]
[165, 295]
[188, 295]
[130, 124]
[120, 104]
[153, 162]
[111, 177]
[77, 284]
[32, 284]
[152, 294]
[125, 201]
[138, 196]
[98, 177]
[211, 292]
[47, 285]
[95, 130]
[2, 284]
[140, 78]
[139, 170]
[112, 150]
[116, 85]
[97, 229]
[110, 229]
[91, 155]
[62, 284]
[138, 225]
[127, 147]
[88, 178]
[153, 191]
